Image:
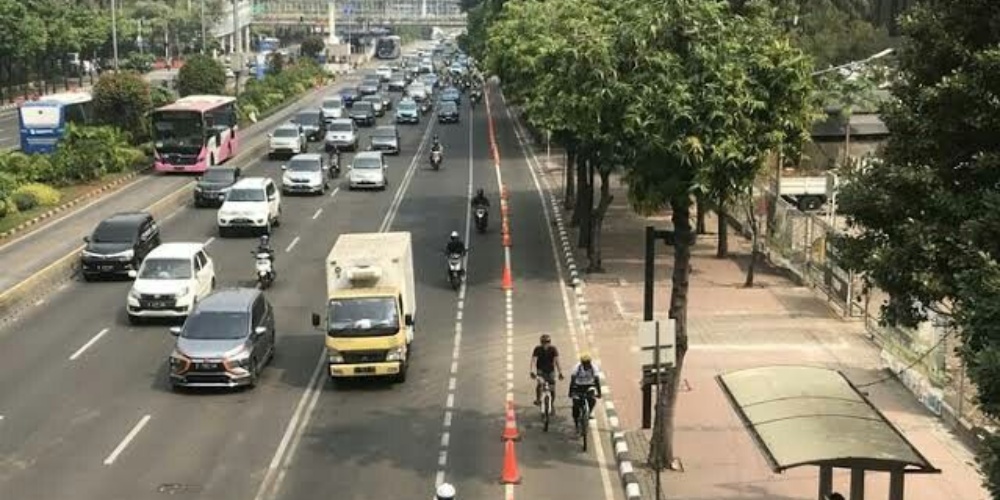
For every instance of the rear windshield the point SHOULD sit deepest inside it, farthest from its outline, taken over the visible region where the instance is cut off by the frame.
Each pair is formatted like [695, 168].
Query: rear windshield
[286, 132]
[363, 106]
[341, 127]
[332, 103]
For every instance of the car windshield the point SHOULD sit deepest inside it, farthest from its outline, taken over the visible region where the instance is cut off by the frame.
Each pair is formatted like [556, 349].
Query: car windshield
[341, 127]
[286, 133]
[308, 118]
[108, 232]
[374, 99]
[166, 269]
[246, 195]
[332, 103]
[384, 133]
[449, 107]
[407, 106]
[303, 165]
[215, 325]
[362, 317]
[219, 175]
[367, 163]
[363, 106]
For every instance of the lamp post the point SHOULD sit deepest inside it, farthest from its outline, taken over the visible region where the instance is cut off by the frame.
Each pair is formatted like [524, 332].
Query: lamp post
[204, 36]
[114, 34]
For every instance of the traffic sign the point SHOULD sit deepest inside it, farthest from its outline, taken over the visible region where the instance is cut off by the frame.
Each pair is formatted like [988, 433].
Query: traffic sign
[647, 344]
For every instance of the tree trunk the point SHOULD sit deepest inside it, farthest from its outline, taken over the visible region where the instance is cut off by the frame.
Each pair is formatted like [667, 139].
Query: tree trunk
[586, 205]
[754, 235]
[581, 186]
[603, 203]
[570, 166]
[661, 445]
[722, 251]
[702, 212]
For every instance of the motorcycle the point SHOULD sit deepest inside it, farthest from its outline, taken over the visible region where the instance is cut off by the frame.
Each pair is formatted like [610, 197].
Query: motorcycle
[436, 159]
[334, 164]
[265, 270]
[482, 218]
[425, 106]
[456, 273]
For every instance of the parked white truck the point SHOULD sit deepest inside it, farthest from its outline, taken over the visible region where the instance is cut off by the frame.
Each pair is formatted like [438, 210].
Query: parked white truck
[371, 305]
[808, 193]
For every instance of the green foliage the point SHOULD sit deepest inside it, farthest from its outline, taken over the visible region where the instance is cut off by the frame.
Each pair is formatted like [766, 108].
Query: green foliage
[8, 184]
[926, 221]
[312, 47]
[34, 195]
[25, 168]
[834, 31]
[161, 96]
[124, 100]
[263, 96]
[201, 75]
[143, 63]
[275, 63]
[88, 153]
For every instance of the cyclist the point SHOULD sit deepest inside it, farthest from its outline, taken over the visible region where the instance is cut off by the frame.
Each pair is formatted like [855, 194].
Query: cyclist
[544, 366]
[581, 379]
[445, 492]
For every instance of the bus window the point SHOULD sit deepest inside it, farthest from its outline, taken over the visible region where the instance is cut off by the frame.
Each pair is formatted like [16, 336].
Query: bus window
[75, 114]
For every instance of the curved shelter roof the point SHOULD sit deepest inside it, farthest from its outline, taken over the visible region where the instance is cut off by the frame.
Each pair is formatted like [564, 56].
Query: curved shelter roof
[801, 415]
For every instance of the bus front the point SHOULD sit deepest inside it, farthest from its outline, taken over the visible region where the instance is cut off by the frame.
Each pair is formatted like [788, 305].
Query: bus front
[42, 124]
[179, 140]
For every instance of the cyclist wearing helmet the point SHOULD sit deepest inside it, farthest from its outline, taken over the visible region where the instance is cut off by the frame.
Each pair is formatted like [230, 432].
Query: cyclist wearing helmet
[544, 365]
[445, 492]
[455, 244]
[583, 377]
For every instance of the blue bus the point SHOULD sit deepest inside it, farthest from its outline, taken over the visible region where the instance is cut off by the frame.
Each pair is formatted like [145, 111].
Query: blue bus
[43, 122]
[268, 44]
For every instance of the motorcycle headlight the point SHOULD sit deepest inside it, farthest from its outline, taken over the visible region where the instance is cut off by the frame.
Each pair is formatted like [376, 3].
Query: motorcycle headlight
[395, 354]
[334, 356]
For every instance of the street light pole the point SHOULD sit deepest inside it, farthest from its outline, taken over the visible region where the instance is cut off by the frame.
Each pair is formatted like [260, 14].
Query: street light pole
[204, 39]
[114, 33]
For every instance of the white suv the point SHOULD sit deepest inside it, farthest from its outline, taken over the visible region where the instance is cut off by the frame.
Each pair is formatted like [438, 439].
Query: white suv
[383, 72]
[252, 203]
[341, 134]
[288, 139]
[170, 282]
[333, 107]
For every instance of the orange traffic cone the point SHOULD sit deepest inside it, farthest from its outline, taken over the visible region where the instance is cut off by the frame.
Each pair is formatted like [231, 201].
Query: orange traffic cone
[510, 474]
[510, 432]
[507, 282]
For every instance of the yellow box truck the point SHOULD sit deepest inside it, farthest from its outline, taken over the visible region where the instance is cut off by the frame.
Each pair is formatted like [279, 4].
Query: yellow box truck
[371, 305]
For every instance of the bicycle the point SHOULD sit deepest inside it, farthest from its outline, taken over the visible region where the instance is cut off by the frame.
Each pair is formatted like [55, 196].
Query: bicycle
[548, 393]
[581, 400]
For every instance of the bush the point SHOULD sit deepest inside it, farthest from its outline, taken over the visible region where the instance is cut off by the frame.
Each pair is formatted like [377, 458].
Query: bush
[201, 75]
[88, 153]
[161, 96]
[8, 184]
[262, 96]
[124, 100]
[142, 63]
[26, 168]
[39, 194]
[312, 47]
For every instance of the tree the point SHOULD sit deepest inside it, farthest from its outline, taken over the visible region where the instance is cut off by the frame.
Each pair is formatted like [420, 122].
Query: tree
[925, 223]
[124, 100]
[201, 75]
[312, 47]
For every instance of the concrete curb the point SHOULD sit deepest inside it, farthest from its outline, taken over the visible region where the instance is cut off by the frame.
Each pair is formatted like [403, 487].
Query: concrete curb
[626, 472]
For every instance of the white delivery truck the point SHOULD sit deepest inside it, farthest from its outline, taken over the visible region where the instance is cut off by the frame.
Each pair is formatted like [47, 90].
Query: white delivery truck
[371, 305]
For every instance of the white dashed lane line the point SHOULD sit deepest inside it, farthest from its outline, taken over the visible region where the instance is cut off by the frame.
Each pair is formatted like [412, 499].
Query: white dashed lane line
[318, 211]
[209, 241]
[292, 244]
[93, 340]
[332, 194]
[128, 439]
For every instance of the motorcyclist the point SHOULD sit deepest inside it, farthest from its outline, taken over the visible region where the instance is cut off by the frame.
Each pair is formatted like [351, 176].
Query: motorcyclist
[264, 246]
[335, 158]
[445, 492]
[436, 147]
[581, 379]
[544, 365]
[480, 200]
[455, 245]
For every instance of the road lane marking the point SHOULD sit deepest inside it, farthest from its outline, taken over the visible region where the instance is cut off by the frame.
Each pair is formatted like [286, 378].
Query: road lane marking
[332, 194]
[89, 343]
[209, 241]
[529, 157]
[292, 244]
[128, 439]
[320, 210]
[275, 474]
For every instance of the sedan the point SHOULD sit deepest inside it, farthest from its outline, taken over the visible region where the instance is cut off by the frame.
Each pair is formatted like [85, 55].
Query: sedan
[348, 96]
[448, 112]
[386, 138]
[376, 102]
[451, 94]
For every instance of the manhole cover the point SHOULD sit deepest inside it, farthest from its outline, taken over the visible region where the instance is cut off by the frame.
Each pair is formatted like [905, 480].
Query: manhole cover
[174, 488]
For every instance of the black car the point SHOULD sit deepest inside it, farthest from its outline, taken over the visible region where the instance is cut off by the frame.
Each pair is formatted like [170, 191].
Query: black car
[312, 123]
[118, 245]
[211, 188]
[448, 112]
[370, 85]
[348, 96]
[385, 138]
[363, 113]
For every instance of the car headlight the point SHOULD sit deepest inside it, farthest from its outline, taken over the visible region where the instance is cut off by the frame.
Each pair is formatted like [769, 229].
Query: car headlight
[178, 361]
[197, 189]
[395, 354]
[126, 255]
[134, 294]
[183, 291]
[334, 356]
[89, 254]
[286, 179]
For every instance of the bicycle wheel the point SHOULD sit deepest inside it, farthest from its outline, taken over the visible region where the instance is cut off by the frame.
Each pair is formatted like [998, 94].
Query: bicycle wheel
[584, 424]
[546, 412]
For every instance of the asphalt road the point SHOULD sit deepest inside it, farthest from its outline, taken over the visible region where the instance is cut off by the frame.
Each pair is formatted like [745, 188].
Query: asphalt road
[104, 424]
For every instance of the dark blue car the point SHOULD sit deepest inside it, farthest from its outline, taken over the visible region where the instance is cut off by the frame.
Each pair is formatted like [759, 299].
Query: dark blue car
[349, 95]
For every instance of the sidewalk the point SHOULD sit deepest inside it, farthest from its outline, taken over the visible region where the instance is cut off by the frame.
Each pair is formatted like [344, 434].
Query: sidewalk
[732, 328]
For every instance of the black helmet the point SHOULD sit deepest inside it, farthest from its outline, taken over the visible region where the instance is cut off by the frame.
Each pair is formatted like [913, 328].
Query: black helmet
[479, 193]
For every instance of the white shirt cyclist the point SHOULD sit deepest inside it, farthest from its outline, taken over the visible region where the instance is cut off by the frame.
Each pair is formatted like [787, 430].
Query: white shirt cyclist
[583, 376]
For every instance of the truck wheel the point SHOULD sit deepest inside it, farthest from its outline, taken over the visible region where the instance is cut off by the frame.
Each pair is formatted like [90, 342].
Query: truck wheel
[810, 203]
[401, 377]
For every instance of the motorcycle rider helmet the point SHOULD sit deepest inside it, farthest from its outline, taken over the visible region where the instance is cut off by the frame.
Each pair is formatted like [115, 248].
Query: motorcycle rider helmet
[445, 492]
[264, 240]
[479, 193]
[454, 236]
[585, 358]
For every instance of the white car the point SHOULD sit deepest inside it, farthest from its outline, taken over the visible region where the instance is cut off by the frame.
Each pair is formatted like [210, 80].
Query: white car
[368, 170]
[341, 134]
[306, 173]
[333, 107]
[288, 139]
[417, 90]
[383, 72]
[252, 203]
[170, 282]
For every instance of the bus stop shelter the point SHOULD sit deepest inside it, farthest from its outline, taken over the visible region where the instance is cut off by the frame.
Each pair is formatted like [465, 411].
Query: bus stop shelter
[803, 415]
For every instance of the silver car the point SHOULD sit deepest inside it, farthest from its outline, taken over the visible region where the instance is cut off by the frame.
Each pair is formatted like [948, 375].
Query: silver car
[306, 174]
[386, 138]
[367, 171]
[225, 342]
[341, 134]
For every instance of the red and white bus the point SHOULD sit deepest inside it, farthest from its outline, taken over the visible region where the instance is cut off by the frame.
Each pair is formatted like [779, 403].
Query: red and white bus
[194, 133]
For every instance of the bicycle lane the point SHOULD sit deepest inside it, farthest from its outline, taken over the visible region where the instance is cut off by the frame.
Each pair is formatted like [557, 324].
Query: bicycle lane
[552, 464]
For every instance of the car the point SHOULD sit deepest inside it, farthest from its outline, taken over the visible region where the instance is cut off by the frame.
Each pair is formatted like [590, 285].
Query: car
[377, 105]
[430, 80]
[305, 173]
[383, 72]
[341, 134]
[385, 138]
[418, 91]
[252, 203]
[225, 342]
[448, 112]
[426, 67]
[451, 94]
[397, 82]
[118, 245]
[171, 280]
[363, 113]
[312, 123]
[333, 107]
[407, 112]
[348, 96]
[212, 186]
[368, 170]
[369, 85]
[288, 139]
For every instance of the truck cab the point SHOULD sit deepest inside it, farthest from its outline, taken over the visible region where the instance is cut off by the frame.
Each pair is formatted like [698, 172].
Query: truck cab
[370, 307]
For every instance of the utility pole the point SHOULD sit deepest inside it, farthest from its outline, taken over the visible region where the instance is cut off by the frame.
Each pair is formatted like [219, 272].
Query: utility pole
[114, 33]
[204, 36]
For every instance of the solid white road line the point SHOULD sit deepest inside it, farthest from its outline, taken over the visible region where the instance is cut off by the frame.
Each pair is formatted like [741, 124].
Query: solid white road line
[128, 439]
[291, 245]
[284, 455]
[89, 343]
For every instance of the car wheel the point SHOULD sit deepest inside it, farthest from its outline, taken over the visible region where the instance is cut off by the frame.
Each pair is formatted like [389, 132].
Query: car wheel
[267, 229]
[270, 156]
[212, 287]
[254, 375]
